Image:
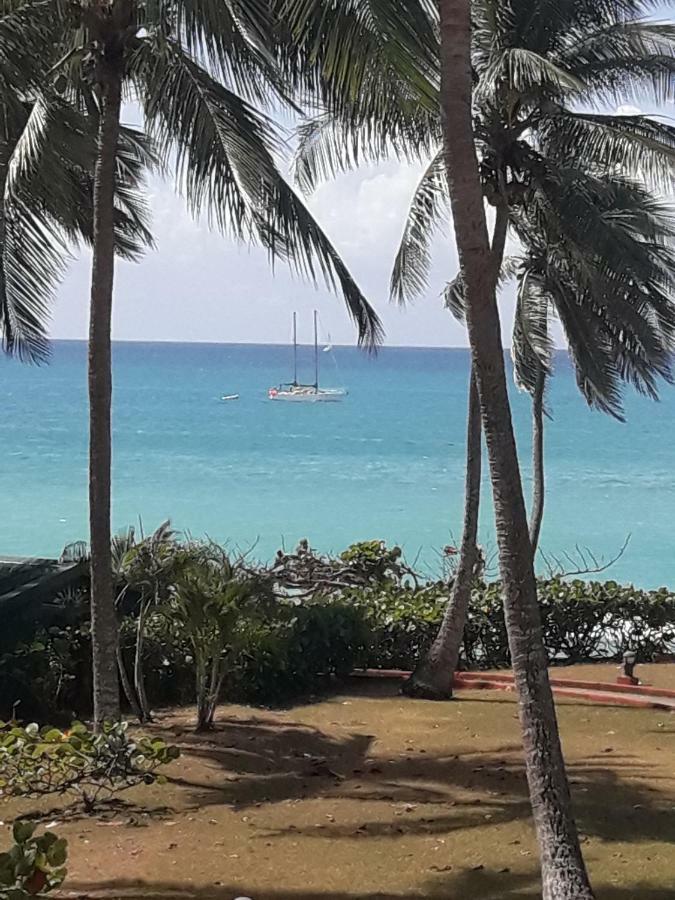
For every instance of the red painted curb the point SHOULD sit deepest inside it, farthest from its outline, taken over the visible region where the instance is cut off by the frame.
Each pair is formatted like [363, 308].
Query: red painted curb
[641, 690]
[610, 694]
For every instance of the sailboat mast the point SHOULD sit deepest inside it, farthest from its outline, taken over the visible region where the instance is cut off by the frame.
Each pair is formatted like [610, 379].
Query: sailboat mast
[295, 348]
[316, 352]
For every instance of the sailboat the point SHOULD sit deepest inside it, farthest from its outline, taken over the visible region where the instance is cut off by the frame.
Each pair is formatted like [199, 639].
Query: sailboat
[297, 392]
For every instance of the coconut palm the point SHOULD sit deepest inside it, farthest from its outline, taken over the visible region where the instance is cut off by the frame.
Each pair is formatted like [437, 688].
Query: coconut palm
[532, 68]
[528, 129]
[47, 153]
[200, 73]
[612, 287]
[617, 312]
[563, 870]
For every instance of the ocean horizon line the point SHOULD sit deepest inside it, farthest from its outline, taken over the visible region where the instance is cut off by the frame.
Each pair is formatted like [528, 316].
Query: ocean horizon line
[355, 346]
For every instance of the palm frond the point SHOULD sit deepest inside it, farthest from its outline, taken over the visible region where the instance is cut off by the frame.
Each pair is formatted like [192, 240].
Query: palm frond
[526, 72]
[637, 146]
[429, 210]
[328, 144]
[51, 170]
[624, 60]
[239, 41]
[226, 168]
[454, 298]
[602, 252]
[351, 43]
[531, 346]
[32, 262]
[595, 366]
[26, 38]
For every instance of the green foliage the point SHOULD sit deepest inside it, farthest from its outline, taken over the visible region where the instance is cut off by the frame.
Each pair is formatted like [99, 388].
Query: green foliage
[38, 761]
[49, 674]
[595, 620]
[147, 567]
[402, 622]
[254, 634]
[374, 561]
[210, 599]
[33, 866]
[298, 651]
[581, 621]
[580, 188]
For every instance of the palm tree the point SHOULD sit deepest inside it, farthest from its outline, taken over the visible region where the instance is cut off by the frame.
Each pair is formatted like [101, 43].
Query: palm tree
[199, 73]
[528, 85]
[533, 88]
[611, 284]
[563, 870]
[47, 152]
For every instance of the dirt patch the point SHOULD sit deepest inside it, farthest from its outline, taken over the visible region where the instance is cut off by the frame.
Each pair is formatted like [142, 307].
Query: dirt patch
[368, 795]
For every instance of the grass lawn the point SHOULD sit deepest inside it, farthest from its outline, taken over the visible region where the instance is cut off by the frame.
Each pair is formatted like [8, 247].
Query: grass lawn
[367, 795]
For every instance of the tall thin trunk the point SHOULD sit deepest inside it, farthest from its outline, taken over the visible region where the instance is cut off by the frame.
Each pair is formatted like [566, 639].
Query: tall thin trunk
[139, 674]
[433, 677]
[564, 874]
[127, 687]
[202, 690]
[4, 158]
[215, 687]
[538, 484]
[103, 618]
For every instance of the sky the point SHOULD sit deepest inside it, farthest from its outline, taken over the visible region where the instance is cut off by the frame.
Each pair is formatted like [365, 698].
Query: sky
[198, 285]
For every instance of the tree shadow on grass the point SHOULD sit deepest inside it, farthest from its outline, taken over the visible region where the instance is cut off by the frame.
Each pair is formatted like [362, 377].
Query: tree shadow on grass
[260, 759]
[265, 760]
[462, 885]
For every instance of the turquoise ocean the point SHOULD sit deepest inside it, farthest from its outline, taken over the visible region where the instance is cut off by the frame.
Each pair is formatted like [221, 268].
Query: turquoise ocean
[387, 462]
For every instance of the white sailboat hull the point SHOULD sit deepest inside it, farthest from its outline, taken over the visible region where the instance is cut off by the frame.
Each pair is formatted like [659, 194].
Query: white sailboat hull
[323, 395]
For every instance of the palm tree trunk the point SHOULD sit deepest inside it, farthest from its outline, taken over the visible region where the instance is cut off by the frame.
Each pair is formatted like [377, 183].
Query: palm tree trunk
[129, 692]
[202, 689]
[564, 874]
[433, 677]
[139, 675]
[103, 618]
[538, 484]
[215, 687]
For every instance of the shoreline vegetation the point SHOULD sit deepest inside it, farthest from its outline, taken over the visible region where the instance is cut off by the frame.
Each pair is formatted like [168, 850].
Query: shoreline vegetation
[271, 633]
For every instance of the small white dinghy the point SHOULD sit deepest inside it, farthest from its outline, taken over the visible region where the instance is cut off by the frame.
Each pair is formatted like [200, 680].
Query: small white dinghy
[230, 397]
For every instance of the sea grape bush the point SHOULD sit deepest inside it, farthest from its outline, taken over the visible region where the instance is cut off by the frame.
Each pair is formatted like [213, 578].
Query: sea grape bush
[33, 866]
[38, 761]
[582, 621]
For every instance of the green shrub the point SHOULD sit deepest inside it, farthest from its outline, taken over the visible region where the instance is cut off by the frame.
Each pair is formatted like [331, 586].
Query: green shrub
[594, 620]
[582, 621]
[402, 622]
[48, 677]
[210, 604]
[269, 634]
[38, 761]
[33, 866]
[298, 650]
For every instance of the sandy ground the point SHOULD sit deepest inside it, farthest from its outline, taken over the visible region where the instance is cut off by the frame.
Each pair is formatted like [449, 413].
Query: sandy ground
[367, 795]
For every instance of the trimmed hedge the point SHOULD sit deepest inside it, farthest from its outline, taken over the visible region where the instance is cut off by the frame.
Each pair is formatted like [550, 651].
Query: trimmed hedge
[582, 621]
